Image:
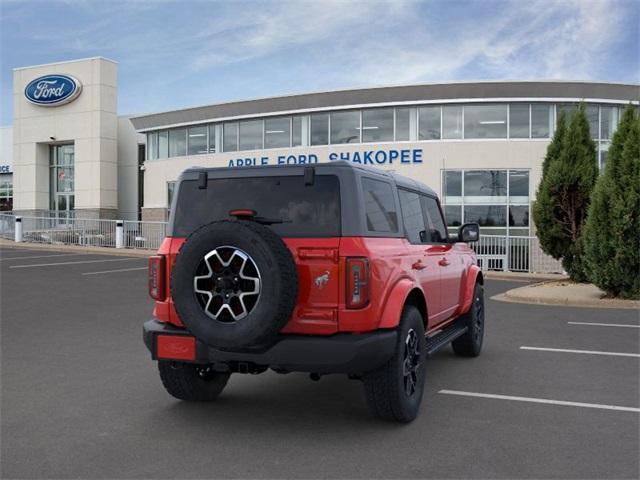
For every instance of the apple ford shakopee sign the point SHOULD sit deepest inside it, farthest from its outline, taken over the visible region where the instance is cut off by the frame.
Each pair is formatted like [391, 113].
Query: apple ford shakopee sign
[53, 90]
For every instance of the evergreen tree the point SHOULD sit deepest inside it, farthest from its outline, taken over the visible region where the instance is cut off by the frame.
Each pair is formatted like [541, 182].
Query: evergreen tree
[549, 232]
[612, 239]
[563, 198]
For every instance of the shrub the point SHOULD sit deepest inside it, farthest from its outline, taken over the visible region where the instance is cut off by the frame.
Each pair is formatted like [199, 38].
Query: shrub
[612, 233]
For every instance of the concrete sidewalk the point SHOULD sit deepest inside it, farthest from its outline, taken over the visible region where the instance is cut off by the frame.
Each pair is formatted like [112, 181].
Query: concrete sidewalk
[127, 252]
[565, 292]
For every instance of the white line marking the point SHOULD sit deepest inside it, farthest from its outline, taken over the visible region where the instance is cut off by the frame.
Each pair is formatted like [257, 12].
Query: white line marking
[605, 324]
[540, 400]
[114, 271]
[76, 263]
[589, 352]
[42, 256]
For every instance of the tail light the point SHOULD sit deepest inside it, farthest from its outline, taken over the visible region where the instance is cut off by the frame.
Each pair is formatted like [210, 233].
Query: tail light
[157, 277]
[357, 282]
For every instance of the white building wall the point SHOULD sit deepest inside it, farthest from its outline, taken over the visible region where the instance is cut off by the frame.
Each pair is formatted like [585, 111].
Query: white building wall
[128, 169]
[436, 156]
[90, 122]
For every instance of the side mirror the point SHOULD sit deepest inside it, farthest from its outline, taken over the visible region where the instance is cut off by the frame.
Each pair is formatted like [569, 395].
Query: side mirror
[469, 232]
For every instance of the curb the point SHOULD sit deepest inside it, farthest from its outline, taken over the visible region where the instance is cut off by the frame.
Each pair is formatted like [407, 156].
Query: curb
[516, 296]
[523, 276]
[125, 252]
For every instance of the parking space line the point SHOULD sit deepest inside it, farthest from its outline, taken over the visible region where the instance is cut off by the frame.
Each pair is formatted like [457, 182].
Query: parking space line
[115, 271]
[540, 400]
[588, 352]
[621, 325]
[42, 256]
[79, 262]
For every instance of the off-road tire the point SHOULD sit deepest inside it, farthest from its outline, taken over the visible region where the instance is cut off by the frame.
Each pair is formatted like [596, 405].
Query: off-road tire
[470, 344]
[190, 382]
[278, 284]
[384, 388]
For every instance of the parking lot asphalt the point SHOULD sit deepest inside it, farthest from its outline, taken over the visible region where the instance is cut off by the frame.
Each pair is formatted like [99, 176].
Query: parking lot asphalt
[82, 399]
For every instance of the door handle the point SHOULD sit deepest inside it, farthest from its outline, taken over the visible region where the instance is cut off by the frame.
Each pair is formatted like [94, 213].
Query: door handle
[443, 262]
[418, 265]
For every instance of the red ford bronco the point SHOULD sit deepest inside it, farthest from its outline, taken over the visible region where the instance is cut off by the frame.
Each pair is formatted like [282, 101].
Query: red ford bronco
[324, 268]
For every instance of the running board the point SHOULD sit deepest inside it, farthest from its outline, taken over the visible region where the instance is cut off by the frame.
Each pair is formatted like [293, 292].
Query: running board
[444, 337]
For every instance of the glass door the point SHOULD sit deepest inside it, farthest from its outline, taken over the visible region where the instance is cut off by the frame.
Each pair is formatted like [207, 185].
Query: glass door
[62, 177]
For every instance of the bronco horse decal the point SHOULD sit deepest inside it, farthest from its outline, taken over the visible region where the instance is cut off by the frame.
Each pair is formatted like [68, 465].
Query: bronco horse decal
[322, 279]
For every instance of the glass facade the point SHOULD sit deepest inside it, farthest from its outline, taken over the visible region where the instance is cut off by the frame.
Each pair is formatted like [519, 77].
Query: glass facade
[498, 200]
[492, 121]
[62, 178]
[6, 192]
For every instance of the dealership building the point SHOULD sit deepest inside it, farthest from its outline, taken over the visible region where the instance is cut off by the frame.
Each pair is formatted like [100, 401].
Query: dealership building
[480, 145]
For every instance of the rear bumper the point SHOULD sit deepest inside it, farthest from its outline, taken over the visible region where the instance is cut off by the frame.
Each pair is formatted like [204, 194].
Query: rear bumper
[339, 353]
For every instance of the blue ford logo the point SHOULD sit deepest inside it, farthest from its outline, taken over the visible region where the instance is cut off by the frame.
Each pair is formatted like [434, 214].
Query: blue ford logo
[53, 90]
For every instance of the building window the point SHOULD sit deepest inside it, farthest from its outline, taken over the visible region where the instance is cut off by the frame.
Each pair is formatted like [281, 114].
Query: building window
[178, 142]
[608, 122]
[277, 132]
[320, 129]
[163, 144]
[230, 137]
[519, 120]
[296, 131]
[380, 208]
[251, 135]
[212, 138]
[485, 121]
[592, 116]
[452, 121]
[197, 141]
[377, 125]
[541, 120]
[6, 192]
[496, 199]
[152, 146]
[345, 127]
[429, 123]
[62, 176]
[481, 186]
[403, 124]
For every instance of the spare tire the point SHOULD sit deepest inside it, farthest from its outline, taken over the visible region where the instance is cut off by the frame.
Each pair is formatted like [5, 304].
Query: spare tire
[234, 284]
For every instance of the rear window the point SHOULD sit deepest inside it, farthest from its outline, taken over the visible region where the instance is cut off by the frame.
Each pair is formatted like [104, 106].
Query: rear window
[306, 210]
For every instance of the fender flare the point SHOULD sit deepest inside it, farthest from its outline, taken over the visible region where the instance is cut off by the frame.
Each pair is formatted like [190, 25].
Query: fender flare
[395, 303]
[473, 275]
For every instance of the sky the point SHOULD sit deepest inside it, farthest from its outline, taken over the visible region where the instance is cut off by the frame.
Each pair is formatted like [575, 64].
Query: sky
[176, 54]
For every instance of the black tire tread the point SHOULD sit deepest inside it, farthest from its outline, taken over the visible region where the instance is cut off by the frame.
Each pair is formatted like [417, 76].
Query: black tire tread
[382, 390]
[464, 346]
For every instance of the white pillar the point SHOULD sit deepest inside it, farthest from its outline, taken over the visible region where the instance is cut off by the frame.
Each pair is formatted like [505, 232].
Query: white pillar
[18, 230]
[119, 234]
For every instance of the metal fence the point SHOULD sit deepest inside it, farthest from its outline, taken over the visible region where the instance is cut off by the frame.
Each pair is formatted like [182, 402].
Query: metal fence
[495, 252]
[7, 226]
[85, 231]
[69, 231]
[516, 254]
[144, 234]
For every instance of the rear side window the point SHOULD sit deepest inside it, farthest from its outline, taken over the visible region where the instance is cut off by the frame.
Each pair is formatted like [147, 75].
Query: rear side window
[437, 232]
[380, 206]
[305, 210]
[412, 215]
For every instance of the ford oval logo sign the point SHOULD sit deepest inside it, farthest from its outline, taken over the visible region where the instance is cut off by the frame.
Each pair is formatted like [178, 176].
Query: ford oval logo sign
[53, 90]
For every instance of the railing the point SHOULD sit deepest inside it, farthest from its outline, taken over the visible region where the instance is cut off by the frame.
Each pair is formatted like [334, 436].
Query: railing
[69, 231]
[7, 226]
[494, 252]
[147, 235]
[58, 230]
[516, 254]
